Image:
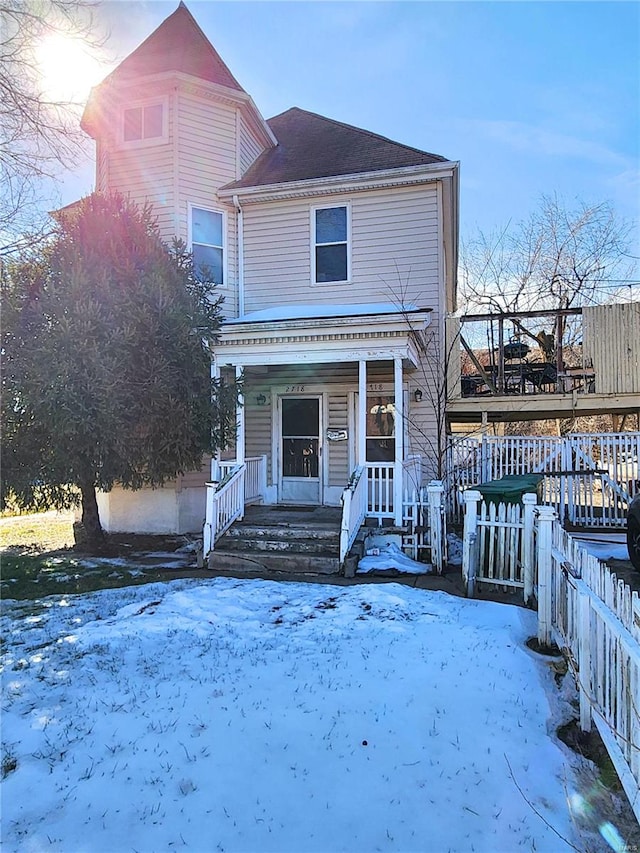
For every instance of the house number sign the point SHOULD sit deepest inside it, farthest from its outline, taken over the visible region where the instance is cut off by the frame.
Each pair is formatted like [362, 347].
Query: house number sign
[295, 389]
[375, 386]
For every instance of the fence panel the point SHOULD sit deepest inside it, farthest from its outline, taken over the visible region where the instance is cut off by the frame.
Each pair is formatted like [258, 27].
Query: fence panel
[424, 518]
[590, 477]
[498, 544]
[596, 619]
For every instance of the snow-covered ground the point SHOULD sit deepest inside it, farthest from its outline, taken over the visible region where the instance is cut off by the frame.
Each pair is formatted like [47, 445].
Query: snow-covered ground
[604, 546]
[230, 715]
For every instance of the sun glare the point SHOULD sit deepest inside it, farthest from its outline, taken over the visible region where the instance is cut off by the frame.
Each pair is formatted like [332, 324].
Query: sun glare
[69, 67]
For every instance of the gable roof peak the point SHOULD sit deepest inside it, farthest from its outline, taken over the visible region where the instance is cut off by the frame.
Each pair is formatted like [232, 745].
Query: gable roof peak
[177, 44]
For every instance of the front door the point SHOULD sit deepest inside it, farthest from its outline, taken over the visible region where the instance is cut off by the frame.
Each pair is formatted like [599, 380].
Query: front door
[300, 450]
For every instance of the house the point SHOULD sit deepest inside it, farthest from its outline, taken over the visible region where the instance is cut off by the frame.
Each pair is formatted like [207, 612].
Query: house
[336, 252]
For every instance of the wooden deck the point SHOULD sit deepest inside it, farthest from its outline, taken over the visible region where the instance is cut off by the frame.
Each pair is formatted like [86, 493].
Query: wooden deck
[586, 363]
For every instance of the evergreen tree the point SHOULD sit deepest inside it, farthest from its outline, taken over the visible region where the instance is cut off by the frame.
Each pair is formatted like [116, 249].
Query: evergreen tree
[106, 341]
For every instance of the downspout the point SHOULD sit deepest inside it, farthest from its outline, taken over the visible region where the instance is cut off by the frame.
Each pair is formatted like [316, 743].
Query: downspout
[240, 241]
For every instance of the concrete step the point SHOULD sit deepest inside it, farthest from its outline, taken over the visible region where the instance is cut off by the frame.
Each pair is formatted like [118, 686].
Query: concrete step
[282, 532]
[273, 563]
[242, 543]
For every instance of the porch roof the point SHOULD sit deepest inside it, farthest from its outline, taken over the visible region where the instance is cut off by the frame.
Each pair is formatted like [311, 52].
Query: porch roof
[313, 334]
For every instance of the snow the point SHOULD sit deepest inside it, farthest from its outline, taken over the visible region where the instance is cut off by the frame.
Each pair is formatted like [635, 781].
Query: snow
[246, 715]
[306, 312]
[390, 558]
[604, 546]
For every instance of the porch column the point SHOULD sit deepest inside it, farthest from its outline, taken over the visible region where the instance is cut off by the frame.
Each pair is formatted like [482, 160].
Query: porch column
[362, 414]
[399, 434]
[240, 433]
[215, 459]
[240, 422]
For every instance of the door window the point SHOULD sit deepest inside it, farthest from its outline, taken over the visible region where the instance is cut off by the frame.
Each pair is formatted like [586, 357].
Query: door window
[381, 428]
[300, 437]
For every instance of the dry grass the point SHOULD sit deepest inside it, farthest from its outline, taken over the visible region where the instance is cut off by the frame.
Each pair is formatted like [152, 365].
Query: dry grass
[36, 533]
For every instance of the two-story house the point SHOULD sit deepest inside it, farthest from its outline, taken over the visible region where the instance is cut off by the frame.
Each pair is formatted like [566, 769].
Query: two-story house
[336, 252]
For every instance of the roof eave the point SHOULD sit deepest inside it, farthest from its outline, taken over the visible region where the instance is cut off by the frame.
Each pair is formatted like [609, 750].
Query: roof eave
[380, 178]
[225, 93]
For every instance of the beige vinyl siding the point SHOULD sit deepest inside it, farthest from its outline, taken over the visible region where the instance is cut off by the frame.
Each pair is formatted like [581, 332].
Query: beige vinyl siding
[205, 159]
[338, 451]
[258, 427]
[206, 149]
[147, 179]
[194, 479]
[249, 149]
[394, 250]
[102, 168]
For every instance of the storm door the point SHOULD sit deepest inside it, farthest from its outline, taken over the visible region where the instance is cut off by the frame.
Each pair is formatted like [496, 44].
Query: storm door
[300, 450]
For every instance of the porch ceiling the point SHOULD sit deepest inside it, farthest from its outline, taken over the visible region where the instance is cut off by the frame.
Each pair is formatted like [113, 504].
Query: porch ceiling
[314, 340]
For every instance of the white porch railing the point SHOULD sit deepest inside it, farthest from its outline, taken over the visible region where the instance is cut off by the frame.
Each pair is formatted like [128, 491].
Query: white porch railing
[225, 503]
[255, 478]
[380, 478]
[380, 488]
[354, 510]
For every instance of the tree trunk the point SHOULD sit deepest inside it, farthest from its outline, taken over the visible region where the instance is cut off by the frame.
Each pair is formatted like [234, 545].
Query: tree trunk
[88, 534]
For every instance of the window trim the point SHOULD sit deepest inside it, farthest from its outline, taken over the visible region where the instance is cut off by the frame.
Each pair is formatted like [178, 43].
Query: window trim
[150, 140]
[191, 206]
[314, 244]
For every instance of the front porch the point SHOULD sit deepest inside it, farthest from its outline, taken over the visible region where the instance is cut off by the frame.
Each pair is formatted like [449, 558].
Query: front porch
[326, 405]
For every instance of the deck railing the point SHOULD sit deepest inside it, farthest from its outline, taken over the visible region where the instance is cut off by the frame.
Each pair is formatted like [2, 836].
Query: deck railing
[589, 477]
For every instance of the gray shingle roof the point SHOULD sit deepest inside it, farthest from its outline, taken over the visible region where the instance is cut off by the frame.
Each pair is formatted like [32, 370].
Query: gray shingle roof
[312, 146]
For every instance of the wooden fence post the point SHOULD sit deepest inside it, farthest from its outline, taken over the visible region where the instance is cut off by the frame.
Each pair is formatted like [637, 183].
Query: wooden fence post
[528, 556]
[435, 490]
[470, 534]
[544, 559]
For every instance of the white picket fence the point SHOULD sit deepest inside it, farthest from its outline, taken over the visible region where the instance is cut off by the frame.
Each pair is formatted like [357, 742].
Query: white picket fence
[589, 477]
[425, 523]
[591, 615]
[498, 544]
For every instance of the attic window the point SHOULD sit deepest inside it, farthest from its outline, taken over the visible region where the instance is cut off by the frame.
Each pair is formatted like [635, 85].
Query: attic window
[143, 123]
[330, 227]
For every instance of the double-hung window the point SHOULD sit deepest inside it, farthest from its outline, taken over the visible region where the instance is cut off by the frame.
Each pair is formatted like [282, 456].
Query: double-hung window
[330, 231]
[207, 244]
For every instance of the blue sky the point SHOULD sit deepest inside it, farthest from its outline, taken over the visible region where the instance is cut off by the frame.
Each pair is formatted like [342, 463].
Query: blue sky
[530, 97]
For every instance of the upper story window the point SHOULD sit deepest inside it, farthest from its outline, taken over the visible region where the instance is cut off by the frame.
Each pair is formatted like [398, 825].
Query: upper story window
[207, 228]
[144, 123]
[331, 256]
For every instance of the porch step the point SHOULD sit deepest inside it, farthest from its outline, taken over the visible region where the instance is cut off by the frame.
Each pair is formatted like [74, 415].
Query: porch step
[277, 540]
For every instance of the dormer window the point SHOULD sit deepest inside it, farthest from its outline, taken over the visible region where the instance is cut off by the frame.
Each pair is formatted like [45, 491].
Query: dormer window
[144, 124]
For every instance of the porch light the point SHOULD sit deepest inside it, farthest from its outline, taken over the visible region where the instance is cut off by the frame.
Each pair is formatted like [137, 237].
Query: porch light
[417, 395]
[261, 399]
